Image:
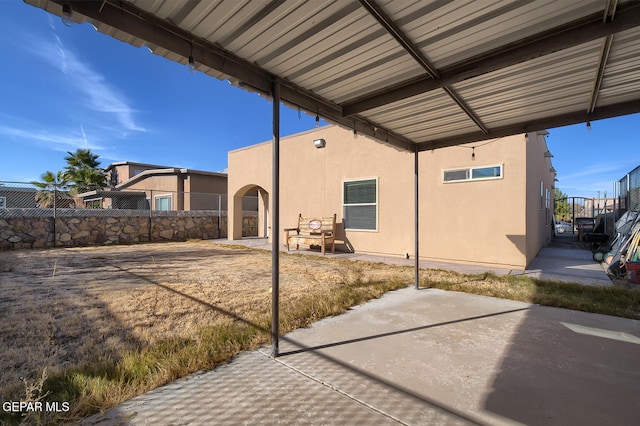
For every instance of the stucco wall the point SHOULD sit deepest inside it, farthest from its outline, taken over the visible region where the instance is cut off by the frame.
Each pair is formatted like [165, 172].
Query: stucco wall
[539, 213]
[484, 222]
[163, 185]
[475, 221]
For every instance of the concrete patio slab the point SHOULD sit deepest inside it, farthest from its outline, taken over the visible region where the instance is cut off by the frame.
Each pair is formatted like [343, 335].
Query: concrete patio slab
[419, 357]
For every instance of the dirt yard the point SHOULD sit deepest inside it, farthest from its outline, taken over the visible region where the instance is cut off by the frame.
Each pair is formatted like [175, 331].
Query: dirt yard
[67, 307]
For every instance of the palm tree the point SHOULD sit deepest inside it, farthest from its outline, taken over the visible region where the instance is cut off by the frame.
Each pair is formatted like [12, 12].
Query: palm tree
[83, 171]
[53, 189]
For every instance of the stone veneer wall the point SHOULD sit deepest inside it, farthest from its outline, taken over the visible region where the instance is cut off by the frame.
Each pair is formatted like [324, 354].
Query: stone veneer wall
[34, 228]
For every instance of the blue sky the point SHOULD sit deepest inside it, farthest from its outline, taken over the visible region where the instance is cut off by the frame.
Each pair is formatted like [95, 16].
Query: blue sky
[68, 88]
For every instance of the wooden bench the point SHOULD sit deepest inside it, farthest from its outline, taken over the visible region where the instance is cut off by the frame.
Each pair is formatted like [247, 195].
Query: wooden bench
[312, 231]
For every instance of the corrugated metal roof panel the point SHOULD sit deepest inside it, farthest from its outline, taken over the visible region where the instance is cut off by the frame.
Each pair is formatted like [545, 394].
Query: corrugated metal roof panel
[334, 25]
[340, 86]
[330, 54]
[338, 61]
[553, 80]
[621, 80]
[424, 117]
[220, 19]
[265, 32]
[457, 30]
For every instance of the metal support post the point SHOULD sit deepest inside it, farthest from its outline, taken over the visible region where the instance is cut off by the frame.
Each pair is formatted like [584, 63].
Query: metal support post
[55, 213]
[417, 213]
[150, 214]
[275, 227]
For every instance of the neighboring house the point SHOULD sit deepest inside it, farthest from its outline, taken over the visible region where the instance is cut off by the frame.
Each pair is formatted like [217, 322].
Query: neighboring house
[17, 197]
[487, 203]
[144, 186]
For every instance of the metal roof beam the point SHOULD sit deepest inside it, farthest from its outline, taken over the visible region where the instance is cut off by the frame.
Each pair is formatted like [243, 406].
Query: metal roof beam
[545, 43]
[602, 64]
[141, 24]
[390, 26]
[609, 13]
[466, 108]
[600, 113]
[387, 23]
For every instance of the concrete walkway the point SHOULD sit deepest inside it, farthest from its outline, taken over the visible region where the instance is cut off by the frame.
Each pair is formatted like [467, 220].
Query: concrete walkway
[419, 357]
[573, 265]
[552, 263]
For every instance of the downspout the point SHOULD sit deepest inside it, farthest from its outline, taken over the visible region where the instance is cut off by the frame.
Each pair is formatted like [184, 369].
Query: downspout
[275, 226]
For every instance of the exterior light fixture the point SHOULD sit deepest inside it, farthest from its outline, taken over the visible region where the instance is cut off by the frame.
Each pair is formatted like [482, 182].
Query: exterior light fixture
[319, 143]
[588, 125]
[548, 155]
[191, 64]
[67, 15]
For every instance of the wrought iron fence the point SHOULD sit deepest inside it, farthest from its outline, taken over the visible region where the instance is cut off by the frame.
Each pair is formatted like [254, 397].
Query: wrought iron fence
[566, 209]
[626, 197]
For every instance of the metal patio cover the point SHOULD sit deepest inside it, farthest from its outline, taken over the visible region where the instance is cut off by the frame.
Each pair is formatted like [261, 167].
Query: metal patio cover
[414, 74]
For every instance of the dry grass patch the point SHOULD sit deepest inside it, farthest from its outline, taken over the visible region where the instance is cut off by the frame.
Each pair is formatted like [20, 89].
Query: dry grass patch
[109, 323]
[616, 301]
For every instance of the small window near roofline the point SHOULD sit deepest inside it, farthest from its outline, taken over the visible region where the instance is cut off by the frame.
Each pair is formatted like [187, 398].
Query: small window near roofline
[472, 174]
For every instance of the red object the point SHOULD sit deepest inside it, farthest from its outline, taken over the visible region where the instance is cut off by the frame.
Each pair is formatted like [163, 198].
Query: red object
[633, 272]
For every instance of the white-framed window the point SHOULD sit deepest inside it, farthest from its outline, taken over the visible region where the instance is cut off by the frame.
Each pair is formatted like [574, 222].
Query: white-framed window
[163, 202]
[3, 202]
[547, 199]
[472, 173]
[547, 206]
[93, 203]
[360, 204]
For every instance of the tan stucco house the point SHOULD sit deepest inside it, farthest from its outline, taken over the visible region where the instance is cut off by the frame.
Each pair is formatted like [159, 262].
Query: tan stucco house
[487, 203]
[17, 197]
[143, 186]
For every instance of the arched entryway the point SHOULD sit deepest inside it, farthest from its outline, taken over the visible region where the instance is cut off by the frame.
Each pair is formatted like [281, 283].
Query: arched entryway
[249, 213]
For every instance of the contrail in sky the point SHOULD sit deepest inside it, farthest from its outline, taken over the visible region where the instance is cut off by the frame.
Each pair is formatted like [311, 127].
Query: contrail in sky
[84, 136]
